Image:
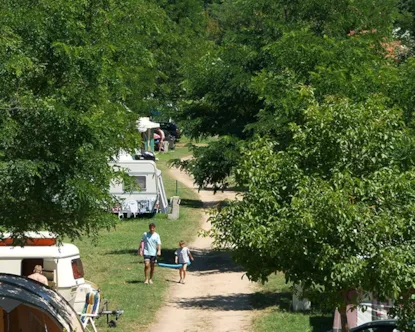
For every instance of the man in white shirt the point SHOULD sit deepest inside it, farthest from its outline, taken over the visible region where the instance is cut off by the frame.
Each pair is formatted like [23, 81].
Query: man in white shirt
[150, 248]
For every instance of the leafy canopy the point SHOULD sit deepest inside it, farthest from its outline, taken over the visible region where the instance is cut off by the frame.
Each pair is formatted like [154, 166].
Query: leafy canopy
[334, 210]
[70, 72]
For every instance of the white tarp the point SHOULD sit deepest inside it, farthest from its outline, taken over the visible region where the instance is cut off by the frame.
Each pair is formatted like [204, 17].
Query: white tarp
[144, 123]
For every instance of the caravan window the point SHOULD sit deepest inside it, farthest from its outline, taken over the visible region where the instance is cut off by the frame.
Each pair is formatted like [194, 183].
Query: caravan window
[140, 181]
[77, 268]
[29, 264]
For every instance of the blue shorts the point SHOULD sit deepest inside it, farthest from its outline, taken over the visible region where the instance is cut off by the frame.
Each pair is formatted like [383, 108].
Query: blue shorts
[152, 259]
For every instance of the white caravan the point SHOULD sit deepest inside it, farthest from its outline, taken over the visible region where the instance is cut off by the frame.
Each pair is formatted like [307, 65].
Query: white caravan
[149, 198]
[62, 265]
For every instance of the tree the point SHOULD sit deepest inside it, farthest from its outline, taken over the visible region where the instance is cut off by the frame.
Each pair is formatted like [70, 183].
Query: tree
[69, 70]
[220, 156]
[244, 84]
[333, 210]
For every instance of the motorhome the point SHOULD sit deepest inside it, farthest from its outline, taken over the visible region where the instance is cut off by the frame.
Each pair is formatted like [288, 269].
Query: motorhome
[149, 195]
[61, 264]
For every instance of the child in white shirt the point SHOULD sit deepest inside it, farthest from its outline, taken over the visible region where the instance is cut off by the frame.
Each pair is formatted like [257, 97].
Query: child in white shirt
[182, 257]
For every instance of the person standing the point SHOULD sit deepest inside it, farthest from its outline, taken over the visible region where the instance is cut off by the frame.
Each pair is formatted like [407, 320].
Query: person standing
[38, 275]
[183, 256]
[150, 248]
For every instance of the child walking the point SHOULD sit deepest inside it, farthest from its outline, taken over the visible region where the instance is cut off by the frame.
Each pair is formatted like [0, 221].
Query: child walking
[182, 257]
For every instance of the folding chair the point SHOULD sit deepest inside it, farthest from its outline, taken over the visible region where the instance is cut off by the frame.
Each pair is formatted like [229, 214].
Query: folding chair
[90, 310]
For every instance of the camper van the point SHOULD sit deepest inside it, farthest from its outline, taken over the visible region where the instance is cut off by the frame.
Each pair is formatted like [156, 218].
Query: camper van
[61, 264]
[148, 198]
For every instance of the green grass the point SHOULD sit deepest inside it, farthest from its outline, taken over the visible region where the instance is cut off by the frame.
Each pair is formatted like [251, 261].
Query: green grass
[114, 265]
[274, 301]
[184, 140]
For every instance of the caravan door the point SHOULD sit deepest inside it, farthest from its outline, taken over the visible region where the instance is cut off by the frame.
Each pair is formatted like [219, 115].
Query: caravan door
[164, 204]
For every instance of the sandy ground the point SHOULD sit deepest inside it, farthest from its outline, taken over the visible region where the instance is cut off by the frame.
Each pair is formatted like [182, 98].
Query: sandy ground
[215, 296]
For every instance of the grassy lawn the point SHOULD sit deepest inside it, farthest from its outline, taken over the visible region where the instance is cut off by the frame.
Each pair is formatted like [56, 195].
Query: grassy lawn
[203, 141]
[114, 265]
[274, 300]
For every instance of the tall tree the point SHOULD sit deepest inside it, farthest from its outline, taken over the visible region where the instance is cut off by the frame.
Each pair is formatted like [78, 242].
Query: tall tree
[244, 84]
[334, 210]
[329, 191]
[68, 72]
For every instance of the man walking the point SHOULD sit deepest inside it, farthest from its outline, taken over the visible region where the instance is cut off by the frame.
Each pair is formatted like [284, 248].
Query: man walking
[150, 248]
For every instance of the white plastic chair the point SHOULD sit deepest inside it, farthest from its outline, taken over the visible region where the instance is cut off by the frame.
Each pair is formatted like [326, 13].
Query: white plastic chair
[90, 310]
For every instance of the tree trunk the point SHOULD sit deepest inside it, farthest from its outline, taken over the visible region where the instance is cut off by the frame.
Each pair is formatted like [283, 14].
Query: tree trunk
[343, 318]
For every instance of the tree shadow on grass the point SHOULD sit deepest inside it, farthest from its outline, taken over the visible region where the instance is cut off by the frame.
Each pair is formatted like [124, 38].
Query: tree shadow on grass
[321, 323]
[191, 203]
[262, 300]
[132, 252]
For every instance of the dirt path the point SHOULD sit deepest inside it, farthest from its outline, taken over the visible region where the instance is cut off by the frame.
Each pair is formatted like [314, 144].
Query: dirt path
[214, 298]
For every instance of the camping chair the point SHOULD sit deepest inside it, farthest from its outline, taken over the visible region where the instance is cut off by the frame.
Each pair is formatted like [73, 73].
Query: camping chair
[90, 310]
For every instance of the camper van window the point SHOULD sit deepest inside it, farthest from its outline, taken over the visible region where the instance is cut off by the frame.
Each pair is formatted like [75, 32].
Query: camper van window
[29, 264]
[140, 181]
[77, 268]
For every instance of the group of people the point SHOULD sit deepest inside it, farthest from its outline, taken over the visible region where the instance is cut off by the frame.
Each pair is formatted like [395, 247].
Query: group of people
[150, 248]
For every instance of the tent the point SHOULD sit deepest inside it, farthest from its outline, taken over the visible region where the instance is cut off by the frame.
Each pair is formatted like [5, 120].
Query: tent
[27, 305]
[145, 126]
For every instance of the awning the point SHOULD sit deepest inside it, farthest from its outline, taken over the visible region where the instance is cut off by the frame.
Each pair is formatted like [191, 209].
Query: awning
[144, 123]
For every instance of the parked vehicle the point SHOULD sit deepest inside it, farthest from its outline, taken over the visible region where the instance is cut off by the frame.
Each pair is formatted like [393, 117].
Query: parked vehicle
[144, 155]
[388, 325]
[62, 264]
[172, 128]
[370, 309]
[149, 198]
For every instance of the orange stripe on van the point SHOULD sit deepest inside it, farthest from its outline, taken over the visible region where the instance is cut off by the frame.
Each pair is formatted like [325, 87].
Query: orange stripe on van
[42, 242]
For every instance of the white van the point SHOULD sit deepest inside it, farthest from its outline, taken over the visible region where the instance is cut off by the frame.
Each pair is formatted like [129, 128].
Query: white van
[151, 196]
[62, 264]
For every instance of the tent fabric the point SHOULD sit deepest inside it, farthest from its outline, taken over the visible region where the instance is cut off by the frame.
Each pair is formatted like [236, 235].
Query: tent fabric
[14, 288]
[144, 123]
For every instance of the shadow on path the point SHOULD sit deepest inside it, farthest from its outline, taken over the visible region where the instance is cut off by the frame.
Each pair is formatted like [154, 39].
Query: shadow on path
[206, 261]
[233, 302]
[258, 300]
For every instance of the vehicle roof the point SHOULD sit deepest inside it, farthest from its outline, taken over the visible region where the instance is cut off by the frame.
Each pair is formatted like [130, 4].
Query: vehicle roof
[19, 290]
[65, 250]
[383, 322]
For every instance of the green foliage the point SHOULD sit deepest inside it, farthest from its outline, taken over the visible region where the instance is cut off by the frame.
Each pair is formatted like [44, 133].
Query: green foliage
[333, 210]
[212, 164]
[119, 270]
[248, 82]
[69, 73]
[179, 40]
[404, 308]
